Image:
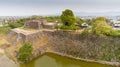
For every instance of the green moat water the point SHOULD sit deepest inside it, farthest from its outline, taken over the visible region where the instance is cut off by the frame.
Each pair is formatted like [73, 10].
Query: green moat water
[53, 60]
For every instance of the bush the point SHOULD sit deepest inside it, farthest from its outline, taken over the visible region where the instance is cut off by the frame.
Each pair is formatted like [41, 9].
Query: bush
[72, 27]
[100, 27]
[25, 52]
[14, 25]
[18, 23]
[86, 32]
[114, 33]
[4, 29]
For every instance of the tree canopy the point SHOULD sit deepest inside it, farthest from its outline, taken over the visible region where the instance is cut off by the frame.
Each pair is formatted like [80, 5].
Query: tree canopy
[68, 19]
[100, 26]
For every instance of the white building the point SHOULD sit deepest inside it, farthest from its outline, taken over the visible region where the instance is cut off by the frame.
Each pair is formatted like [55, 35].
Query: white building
[116, 24]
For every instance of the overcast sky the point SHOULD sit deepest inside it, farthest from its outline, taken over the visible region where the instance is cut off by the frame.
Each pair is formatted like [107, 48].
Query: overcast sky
[47, 7]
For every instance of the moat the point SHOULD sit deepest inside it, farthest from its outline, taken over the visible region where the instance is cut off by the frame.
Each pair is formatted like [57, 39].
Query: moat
[54, 60]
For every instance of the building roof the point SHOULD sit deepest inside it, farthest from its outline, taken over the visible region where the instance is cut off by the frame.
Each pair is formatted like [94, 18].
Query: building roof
[84, 24]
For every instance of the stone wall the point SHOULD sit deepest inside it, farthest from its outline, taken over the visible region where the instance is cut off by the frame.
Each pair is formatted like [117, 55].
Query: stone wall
[20, 36]
[64, 43]
[35, 24]
[11, 37]
[49, 25]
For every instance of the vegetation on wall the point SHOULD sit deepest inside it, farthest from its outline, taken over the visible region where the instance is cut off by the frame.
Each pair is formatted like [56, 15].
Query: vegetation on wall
[25, 52]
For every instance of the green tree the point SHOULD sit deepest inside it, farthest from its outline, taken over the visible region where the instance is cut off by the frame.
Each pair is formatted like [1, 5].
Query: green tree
[68, 19]
[100, 26]
[101, 19]
[25, 52]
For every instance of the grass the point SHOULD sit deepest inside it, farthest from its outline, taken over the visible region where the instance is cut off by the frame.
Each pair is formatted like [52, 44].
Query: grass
[4, 30]
[2, 39]
[10, 51]
[2, 42]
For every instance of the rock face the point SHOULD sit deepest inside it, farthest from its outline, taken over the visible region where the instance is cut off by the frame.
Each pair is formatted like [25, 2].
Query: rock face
[35, 24]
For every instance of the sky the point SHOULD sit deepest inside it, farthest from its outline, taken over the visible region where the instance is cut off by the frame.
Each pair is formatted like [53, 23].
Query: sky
[49, 7]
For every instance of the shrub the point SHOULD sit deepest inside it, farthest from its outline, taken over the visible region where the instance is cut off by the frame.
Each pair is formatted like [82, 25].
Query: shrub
[100, 27]
[25, 52]
[4, 29]
[14, 25]
[18, 23]
[114, 33]
[72, 27]
[86, 32]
